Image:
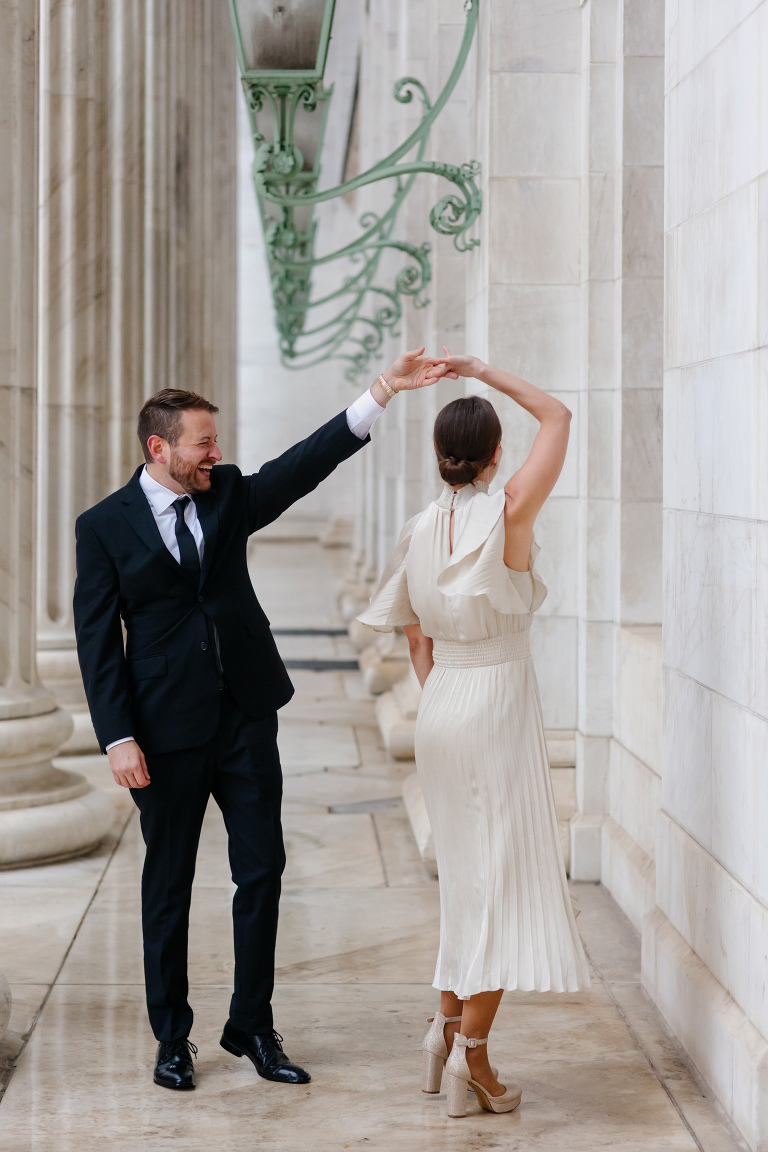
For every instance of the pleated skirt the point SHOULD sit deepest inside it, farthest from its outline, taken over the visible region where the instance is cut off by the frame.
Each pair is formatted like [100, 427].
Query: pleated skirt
[506, 919]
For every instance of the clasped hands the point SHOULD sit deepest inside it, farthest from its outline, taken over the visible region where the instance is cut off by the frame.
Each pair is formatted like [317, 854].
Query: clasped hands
[415, 370]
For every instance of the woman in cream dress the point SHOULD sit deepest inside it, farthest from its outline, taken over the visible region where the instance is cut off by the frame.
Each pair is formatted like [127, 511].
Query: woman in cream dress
[463, 584]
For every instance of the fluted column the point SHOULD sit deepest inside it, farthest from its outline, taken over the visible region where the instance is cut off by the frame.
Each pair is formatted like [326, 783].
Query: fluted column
[73, 326]
[44, 813]
[137, 263]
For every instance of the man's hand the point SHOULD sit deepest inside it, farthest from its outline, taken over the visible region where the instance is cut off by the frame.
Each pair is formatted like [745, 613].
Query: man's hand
[413, 370]
[128, 765]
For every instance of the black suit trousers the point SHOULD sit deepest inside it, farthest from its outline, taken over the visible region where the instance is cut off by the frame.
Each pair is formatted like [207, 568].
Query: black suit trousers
[240, 768]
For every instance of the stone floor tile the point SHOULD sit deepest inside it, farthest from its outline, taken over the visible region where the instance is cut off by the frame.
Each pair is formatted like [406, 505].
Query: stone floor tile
[38, 926]
[313, 745]
[339, 788]
[587, 1088]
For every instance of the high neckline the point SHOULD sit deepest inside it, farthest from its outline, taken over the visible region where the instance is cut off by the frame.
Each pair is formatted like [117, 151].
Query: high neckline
[450, 499]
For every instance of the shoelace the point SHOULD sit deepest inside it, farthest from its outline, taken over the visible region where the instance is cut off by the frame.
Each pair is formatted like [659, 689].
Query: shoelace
[277, 1039]
[182, 1047]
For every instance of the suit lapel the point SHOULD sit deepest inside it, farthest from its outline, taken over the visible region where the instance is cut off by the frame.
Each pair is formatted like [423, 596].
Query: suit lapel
[138, 513]
[208, 515]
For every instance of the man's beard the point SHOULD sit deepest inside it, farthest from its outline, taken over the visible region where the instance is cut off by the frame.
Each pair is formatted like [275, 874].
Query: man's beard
[186, 474]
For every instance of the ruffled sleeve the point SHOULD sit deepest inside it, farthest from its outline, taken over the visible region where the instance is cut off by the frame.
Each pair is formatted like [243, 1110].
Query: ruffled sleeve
[477, 566]
[390, 604]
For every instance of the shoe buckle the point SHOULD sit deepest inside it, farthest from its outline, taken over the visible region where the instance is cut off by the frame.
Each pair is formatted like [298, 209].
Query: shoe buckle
[472, 1042]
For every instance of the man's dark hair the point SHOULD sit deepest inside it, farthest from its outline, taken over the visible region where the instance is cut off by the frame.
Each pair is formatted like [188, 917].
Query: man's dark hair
[161, 416]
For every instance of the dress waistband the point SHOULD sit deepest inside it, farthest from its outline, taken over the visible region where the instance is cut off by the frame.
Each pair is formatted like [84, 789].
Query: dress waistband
[481, 653]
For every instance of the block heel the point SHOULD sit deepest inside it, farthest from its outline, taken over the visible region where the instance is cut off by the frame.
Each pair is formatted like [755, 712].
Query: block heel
[456, 1095]
[230, 1047]
[431, 1071]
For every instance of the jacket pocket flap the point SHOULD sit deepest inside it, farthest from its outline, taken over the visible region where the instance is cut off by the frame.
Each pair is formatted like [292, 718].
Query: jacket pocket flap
[148, 667]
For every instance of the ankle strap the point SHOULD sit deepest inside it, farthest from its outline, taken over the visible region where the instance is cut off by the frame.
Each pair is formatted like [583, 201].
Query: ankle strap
[469, 1041]
[448, 1019]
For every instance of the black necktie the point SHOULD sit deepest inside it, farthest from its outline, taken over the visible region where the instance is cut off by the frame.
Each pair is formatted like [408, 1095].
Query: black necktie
[190, 558]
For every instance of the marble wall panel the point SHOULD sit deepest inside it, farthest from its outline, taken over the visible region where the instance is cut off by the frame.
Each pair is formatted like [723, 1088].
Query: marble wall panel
[596, 645]
[739, 757]
[710, 601]
[715, 127]
[603, 30]
[642, 207]
[644, 28]
[557, 533]
[535, 230]
[602, 113]
[762, 260]
[713, 452]
[641, 443]
[761, 622]
[602, 337]
[535, 333]
[553, 643]
[602, 411]
[599, 551]
[640, 581]
[642, 326]
[535, 36]
[701, 25]
[517, 100]
[638, 715]
[602, 241]
[634, 795]
[712, 281]
[716, 915]
[643, 105]
[687, 754]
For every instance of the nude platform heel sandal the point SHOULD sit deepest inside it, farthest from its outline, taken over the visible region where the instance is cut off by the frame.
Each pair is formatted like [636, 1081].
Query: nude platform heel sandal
[434, 1052]
[458, 1079]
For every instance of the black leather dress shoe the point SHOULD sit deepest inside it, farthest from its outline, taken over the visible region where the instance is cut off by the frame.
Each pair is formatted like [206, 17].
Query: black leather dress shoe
[265, 1051]
[173, 1064]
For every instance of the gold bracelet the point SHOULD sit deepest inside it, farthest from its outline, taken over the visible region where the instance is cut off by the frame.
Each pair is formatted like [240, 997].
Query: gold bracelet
[389, 391]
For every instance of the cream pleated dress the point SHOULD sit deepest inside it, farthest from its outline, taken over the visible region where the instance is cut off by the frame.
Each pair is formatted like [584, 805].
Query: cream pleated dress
[506, 919]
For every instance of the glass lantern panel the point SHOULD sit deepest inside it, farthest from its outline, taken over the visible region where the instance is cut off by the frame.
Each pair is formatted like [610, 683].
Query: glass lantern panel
[282, 35]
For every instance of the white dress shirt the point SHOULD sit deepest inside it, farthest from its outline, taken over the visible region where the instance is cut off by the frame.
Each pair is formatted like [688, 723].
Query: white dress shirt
[361, 416]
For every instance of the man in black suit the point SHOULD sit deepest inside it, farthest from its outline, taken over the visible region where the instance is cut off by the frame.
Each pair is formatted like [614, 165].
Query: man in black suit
[187, 708]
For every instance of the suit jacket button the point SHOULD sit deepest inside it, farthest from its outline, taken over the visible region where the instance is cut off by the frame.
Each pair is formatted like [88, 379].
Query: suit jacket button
[200, 599]
[203, 645]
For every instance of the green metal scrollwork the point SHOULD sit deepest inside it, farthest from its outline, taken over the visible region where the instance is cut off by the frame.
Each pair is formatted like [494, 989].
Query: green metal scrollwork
[286, 186]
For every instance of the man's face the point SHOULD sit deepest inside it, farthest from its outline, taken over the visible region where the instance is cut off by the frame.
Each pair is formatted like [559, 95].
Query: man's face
[191, 459]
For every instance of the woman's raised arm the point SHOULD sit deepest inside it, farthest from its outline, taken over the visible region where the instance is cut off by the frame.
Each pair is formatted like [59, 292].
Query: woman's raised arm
[530, 486]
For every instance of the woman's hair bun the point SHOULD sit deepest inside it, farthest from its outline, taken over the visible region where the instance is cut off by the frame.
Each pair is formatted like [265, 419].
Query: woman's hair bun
[455, 471]
[467, 434]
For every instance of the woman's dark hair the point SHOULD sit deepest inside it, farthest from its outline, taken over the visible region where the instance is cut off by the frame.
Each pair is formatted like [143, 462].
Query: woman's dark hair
[162, 414]
[467, 432]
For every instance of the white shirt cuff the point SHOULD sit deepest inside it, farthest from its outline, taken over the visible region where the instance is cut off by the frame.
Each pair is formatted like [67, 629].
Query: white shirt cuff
[363, 414]
[114, 744]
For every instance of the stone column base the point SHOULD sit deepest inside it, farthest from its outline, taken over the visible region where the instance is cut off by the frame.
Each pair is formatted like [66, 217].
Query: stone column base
[586, 846]
[413, 799]
[46, 814]
[385, 662]
[49, 833]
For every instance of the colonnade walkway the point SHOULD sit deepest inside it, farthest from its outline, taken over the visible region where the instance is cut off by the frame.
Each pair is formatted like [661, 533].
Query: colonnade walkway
[356, 952]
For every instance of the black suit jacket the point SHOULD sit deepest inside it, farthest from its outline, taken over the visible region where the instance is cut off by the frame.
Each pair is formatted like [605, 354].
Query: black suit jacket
[162, 688]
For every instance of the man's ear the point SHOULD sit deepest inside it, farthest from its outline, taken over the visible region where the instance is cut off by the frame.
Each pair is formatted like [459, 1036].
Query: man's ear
[158, 449]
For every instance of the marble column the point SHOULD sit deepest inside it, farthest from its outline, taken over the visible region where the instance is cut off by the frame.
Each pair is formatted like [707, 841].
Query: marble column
[73, 325]
[137, 264]
[45, 813]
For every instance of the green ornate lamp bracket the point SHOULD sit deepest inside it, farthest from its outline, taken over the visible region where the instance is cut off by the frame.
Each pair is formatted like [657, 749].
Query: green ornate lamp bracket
[286, 185]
